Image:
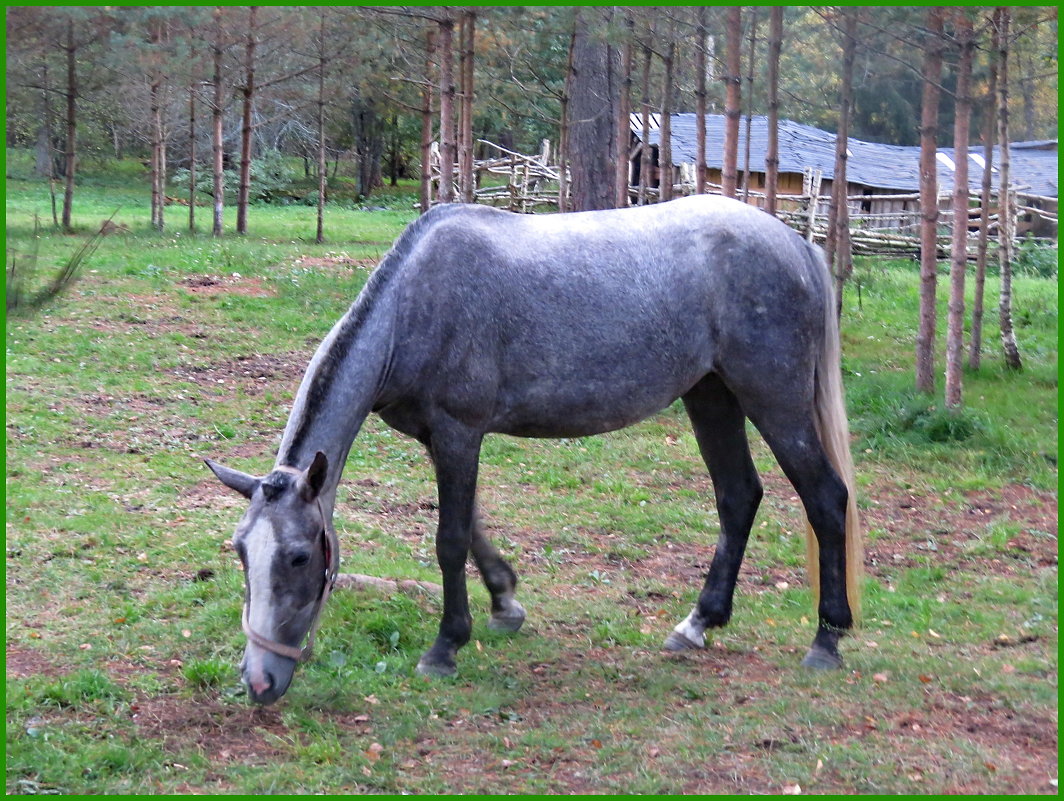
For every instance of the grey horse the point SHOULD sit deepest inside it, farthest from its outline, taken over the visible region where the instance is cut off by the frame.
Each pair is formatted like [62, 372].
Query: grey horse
[563, 325]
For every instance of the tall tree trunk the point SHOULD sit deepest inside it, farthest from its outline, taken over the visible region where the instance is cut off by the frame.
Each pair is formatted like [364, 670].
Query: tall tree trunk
[248, 93]
[158, 198]
[837, 247]
[319, 235]
[700, 102]
[563, 131]
[192, 152]
[932, 75]
[1006, 213]
[644, 122]
[665, 166]
[46, 160]
[975, 347]
[624, 114]
[71, 126]
[749, 102]
[959, 245]
[772, 154]
[217, 130]
[426, 124]
[593, 109]
[447, 149]
[465, 134]
[733, 100]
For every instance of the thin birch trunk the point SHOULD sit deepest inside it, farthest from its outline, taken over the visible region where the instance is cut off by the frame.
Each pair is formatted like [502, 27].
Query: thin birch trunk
[772, 155]
[749, 103]
[700, 103]
[624, 114]
[644, 152]
[975, 346]
[217, 131]
[447, 148]
[563, 132]
[1007, 213]
[248, 92]
[665, 167]
[192, 153]
[839, 224]
[959, 260]
[465, 134]
[319, 235]
[426, 125]
[71, 127]
[733, 101]
[932, 74]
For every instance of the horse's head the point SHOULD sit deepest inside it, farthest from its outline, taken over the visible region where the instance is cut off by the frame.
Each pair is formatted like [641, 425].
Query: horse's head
[289, 554]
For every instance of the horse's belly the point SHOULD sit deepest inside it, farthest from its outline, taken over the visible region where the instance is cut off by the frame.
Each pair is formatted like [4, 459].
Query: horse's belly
[580, 411]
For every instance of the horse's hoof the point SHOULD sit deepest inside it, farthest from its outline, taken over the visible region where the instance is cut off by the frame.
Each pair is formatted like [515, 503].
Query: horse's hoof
[822, 659]
[435, 670]
[679, 642]
[509, 619]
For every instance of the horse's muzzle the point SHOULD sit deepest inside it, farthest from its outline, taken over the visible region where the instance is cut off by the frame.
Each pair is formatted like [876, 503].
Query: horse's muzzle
[266, 675]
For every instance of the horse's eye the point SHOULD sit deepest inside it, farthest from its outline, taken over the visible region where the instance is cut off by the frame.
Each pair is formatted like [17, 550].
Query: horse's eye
[300, 560]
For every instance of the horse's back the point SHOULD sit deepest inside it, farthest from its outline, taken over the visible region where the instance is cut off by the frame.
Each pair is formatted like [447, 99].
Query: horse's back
[584, 322]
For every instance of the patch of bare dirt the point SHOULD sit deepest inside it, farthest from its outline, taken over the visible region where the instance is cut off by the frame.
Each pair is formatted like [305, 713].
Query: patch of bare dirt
[333, 262]
[233, 284]
[225, 733]
[253, 373]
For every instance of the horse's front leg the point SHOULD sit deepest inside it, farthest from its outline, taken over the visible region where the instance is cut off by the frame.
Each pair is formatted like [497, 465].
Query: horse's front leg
[455, 452]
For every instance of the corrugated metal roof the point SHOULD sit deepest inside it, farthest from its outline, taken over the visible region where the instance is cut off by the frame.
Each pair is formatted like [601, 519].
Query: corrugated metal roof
[891, 167]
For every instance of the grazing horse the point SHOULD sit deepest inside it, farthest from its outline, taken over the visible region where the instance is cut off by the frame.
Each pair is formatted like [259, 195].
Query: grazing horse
[563, 325]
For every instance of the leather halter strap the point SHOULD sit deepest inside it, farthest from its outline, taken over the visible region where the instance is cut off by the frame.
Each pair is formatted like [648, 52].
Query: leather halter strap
[331, 546]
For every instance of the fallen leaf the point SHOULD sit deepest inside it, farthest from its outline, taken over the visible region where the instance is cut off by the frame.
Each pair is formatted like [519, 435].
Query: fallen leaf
[1006, 668]
[990, 766]
[366, 771]
[596, 743]
[819, 766]
[85, 646]
[792, 789]
[371, 699]
[925, 678]
[934, 634]
[186, 633]
[34, 635]
[373, 753]
[480, 647]
[880, 677]
[871, 643]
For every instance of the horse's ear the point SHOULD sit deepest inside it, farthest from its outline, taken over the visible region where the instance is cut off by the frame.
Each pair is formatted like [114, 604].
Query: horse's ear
[234, 479]
[313, 478]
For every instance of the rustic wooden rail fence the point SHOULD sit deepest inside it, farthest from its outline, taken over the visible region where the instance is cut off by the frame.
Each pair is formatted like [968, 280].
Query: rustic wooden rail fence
[880, 224]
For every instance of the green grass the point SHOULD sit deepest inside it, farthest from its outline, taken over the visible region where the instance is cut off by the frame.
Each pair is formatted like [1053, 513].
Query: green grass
[123, 596]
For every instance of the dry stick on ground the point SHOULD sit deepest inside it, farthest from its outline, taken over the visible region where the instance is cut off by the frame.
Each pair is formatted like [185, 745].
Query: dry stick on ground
[362, 582]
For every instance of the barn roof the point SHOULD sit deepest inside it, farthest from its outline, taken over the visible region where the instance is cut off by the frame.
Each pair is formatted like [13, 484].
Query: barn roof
[871, 164]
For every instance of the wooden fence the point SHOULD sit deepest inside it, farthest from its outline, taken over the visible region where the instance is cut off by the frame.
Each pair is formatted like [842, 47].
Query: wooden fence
[880, 224]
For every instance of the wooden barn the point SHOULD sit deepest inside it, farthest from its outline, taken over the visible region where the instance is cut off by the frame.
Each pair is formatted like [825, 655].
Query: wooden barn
[883, 181]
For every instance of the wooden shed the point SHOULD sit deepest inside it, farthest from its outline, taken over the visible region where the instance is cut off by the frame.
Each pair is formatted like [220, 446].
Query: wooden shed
[883, 181]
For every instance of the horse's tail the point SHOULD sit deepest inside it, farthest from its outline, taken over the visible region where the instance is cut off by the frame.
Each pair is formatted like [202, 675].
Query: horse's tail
[834, 430]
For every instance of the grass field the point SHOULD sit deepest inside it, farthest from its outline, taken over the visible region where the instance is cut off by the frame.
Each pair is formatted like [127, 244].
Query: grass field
[123, 595]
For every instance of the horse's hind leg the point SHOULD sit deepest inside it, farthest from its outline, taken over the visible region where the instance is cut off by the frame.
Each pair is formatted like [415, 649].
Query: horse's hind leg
[719, 426]
[506, 613]
[795, 443]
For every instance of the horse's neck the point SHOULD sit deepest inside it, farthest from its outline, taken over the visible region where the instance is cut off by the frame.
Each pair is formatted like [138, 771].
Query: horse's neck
[338, 390]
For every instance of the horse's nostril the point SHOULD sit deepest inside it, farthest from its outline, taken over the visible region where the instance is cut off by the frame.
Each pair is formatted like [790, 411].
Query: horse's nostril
[259, 687]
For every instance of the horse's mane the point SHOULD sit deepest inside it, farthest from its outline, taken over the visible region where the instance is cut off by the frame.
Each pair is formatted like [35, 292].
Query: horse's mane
[396, 257]
[333, 351]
